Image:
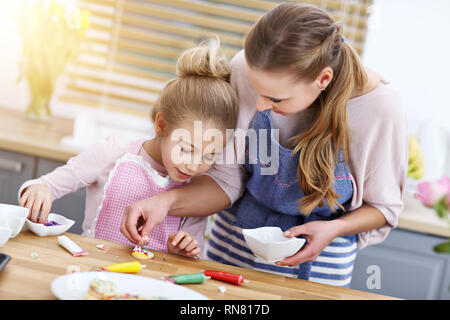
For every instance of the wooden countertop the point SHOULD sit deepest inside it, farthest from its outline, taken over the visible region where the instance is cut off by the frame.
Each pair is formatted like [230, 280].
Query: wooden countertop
[42, 139]
[30, 278]
[417, 217]
[34, 137]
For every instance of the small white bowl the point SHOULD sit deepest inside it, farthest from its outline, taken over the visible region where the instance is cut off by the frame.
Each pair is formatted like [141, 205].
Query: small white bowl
[15, 217]
[41, 230]
[270, 244]
[5, 234]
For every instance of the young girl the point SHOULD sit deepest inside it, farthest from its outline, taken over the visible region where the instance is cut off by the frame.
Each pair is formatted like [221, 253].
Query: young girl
[116, 174]
[342, 152]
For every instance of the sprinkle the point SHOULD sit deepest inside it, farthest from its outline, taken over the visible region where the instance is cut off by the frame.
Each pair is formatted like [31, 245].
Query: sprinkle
[222, 289]
[51, 224]
[100, 246]
[34, 255]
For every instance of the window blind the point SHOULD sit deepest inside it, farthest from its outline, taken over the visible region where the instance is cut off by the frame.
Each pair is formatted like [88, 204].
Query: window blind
[132, 46]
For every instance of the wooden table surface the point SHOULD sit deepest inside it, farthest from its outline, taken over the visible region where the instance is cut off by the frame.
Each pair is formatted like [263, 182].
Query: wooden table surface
[30, 278]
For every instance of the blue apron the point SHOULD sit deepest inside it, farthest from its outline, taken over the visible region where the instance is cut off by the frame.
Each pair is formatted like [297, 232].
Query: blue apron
[272, 200]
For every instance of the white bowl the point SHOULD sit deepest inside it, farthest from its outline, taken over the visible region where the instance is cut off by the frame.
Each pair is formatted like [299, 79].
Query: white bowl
[15, 217]
[42, 230]
[5, 233]
[270, 244]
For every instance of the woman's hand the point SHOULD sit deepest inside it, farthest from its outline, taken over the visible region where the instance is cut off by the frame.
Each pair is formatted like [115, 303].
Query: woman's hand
[318, 234]
[200, 197]
[183, 243]
[37, 198]
[141, 217]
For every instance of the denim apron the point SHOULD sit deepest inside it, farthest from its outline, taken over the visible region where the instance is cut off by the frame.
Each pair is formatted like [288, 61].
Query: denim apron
[272, 200]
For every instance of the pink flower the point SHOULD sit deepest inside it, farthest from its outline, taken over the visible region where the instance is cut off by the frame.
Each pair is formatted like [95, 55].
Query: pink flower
[431, 192]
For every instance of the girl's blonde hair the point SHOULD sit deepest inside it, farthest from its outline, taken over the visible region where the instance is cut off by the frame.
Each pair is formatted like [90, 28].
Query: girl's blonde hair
[201, 90]
[303, 40]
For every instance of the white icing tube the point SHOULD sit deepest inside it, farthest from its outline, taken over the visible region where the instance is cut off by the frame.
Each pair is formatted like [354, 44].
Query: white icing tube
[71, 246]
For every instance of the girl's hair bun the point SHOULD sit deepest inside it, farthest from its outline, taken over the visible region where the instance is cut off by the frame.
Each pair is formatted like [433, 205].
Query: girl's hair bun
[205, 60]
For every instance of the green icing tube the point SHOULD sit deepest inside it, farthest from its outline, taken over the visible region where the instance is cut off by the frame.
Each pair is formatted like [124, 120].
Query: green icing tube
[189, 278]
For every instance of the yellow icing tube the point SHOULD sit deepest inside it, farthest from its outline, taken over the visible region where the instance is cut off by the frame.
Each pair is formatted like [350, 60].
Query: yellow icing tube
[126, 267]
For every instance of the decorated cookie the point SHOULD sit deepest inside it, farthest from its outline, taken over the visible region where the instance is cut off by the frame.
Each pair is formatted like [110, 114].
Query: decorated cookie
[141, 253]
[102, 289]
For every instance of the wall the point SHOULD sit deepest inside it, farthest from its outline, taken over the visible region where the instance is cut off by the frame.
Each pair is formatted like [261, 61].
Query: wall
[408, 43]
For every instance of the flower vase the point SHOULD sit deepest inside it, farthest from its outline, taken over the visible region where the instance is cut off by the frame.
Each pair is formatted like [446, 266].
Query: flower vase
[39, 106]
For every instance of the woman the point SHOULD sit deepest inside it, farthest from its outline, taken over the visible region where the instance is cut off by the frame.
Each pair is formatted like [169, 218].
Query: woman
[342, 153]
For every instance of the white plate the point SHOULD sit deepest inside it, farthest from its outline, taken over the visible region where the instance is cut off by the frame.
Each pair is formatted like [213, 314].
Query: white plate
[74, 286]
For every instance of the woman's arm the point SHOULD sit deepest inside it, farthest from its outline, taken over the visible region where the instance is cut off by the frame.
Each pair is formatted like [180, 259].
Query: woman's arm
[201, 197]
[360, 220]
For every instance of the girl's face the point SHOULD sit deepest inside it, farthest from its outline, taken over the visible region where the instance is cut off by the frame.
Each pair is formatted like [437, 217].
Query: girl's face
[191, 148]
[284, 95]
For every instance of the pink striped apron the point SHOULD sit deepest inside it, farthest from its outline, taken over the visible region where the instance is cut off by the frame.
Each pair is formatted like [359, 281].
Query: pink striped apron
[132, 179]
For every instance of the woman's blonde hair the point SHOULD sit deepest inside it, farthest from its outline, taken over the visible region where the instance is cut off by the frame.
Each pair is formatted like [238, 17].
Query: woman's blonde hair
[303, 40]
[201, 90]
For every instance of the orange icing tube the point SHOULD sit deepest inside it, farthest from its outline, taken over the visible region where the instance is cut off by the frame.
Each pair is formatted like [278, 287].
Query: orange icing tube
[126, 267]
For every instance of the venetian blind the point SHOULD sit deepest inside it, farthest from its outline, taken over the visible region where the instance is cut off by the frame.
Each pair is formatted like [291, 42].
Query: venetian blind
[132, 45]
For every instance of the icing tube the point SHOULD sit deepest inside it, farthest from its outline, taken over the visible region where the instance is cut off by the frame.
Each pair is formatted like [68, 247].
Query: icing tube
[71, 246]
[125, 267]
[225, 276]
[188, 278]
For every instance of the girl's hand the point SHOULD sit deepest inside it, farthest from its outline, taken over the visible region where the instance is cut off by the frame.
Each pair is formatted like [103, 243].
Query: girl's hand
[318, 234]
[37, 197]
[183, 243]
[141, 217]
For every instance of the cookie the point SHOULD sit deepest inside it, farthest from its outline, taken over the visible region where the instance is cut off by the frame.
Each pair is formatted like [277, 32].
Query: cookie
[102, 289]
[141, 253]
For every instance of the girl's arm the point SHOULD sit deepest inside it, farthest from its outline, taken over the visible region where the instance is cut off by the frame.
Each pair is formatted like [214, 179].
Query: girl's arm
[80, 171]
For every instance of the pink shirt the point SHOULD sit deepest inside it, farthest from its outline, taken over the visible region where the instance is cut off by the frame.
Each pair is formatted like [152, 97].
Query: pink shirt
[378, 148]
[91, 169]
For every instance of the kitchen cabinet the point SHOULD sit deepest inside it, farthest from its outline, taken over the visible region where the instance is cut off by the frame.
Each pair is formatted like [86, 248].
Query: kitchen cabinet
[15, 168]
[406, 265]
[71, 205]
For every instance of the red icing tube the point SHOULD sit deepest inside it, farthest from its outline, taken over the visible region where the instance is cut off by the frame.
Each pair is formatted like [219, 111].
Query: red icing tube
[225, 276]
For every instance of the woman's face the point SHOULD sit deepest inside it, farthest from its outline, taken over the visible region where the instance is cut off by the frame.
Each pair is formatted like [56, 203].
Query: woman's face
[191, 149]
[282, 93]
